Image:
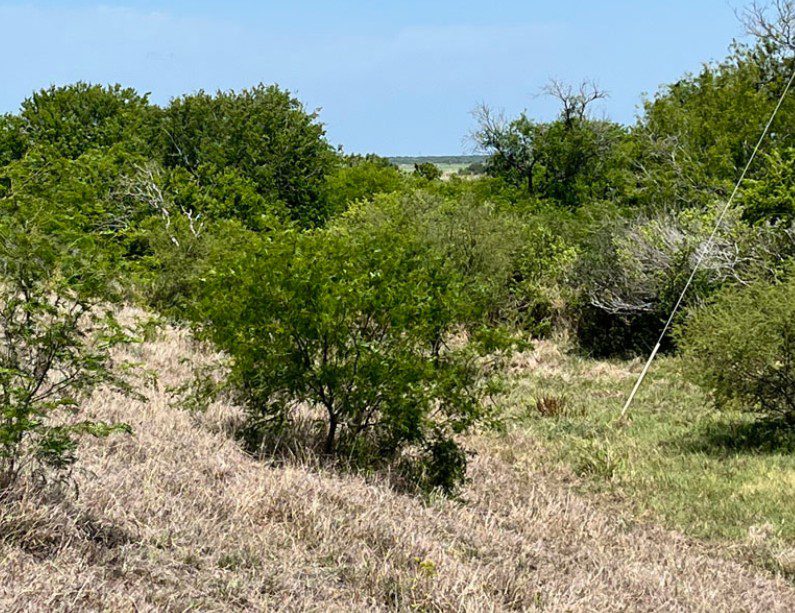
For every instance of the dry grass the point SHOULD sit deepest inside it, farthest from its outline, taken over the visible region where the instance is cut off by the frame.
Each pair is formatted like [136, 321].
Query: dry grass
[551, 406]
[177, 517]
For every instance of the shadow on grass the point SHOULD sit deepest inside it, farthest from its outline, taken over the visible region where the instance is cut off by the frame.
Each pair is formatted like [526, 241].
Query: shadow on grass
[300, 442]
[43, 523]
[765, 436]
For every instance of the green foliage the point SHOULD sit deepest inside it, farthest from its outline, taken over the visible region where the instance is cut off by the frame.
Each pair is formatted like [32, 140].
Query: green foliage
[230, 156]
[473, 169]
[361, 180]
[697, 134]
[79, 194]
[542, 259]
[173, 257]
[632, 271]
[741, 348]
[54, 350]
[770, 196]
[12, 145]
[581, 161]
[475, 243]
[355, 159]
[440, 466]
[427, 171]
[571, 161]
[358, 323]
[76, 118]
[263, 133]
[213, 193]
[511, 147]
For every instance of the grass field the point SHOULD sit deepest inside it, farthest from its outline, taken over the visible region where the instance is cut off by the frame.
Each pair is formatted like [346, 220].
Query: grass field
[447, 169]
[449, 165]
[176, 517]
[676, 461]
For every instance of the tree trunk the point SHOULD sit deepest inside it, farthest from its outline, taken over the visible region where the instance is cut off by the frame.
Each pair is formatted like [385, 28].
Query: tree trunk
[328, 448]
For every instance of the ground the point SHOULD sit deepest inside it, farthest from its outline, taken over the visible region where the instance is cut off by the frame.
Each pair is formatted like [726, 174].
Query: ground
[449, 165]
[177, 517]
[725, 476]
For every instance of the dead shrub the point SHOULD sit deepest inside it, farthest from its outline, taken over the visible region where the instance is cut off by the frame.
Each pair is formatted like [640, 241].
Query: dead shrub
[551, 406]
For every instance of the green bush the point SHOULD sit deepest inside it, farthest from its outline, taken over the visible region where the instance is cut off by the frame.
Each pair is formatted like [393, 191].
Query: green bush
[373, 326]
[428, 171]
[212, 193]
[741, 348]
[539, 295]
[12, 144]
[74, 119]
[476, 243]
[174, 254]
[265, 134]
[361, 180]
[574, 160]
[54, 350]
[81, 194]
[771, 195]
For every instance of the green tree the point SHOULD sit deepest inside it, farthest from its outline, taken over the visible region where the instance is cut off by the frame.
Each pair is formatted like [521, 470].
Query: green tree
[572, 160]
[583, 161]
[83, 195]
[741, 348]
[55, 340]
[696, 135]
[511, 146]
[361, 179]
[427, 171]
[356, 322]
[73, 119]
[770, 195]
[262, 132]
[12, 145]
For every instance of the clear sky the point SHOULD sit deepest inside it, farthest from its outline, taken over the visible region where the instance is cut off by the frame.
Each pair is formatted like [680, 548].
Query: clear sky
[396, 78]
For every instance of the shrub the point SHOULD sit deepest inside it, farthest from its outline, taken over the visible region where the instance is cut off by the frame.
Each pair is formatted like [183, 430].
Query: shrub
[473, 243]
[212, 193]
[74, 119]
[361, 180]
[265, 134]
[573, 160]
[428, 171]
[541, 262]
[368, 323]
[54, 350]
[741, 348]
[632, 271]
[770, 196]
[166, 276]
[473, 169]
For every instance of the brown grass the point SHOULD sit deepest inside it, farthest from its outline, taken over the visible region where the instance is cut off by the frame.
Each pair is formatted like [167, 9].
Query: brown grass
[176, 517]
[551, 406]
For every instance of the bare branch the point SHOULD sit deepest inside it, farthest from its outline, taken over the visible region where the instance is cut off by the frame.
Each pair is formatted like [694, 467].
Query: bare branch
[777, 29]
[144, 187]
[574, 100]
[490, 125]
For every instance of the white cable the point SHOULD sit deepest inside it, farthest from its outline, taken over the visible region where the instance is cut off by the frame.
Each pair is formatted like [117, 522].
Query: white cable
[705, 249]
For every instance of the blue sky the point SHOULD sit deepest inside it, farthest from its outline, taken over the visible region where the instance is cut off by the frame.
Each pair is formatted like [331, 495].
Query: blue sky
[396, 78]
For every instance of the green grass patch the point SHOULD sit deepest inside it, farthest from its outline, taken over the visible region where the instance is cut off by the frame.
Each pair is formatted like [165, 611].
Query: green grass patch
[676, 461]
[446, 168]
